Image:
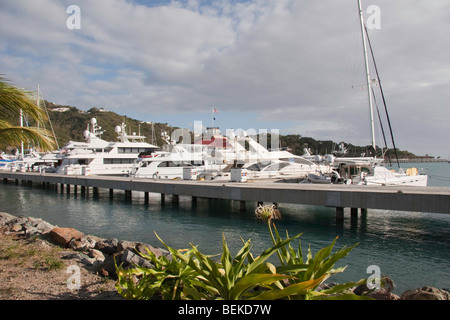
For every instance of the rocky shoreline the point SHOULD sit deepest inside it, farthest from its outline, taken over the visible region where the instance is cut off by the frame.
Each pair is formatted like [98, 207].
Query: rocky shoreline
[98, 255]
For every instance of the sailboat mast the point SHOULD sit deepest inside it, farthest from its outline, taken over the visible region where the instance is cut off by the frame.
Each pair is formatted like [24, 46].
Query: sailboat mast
[21, 125]
[369, 86]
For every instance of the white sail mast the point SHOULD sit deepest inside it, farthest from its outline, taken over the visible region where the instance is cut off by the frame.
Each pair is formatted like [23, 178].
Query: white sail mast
[369, 85]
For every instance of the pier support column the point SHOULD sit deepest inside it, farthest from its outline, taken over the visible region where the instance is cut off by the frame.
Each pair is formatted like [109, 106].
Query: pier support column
[111, 194]
[242, 205]
[128, 195]
[95, 192]
[68, 188]
[339, 213]
[354, 212]
[146, 197]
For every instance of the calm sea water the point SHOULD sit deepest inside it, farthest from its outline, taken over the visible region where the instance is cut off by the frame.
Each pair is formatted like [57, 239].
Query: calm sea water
[411, 248]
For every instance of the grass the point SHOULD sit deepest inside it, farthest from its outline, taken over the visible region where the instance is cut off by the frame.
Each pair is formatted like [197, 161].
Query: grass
[43, 257]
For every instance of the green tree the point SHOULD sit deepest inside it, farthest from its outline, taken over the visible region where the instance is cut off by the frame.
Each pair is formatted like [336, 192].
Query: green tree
[15, 102]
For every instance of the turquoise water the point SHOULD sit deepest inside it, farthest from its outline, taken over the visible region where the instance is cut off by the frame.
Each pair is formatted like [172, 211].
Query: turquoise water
[412, 248]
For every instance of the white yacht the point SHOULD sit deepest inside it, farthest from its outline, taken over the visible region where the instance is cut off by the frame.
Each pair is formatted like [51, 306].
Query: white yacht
[176, 159]
[370, 171]
[96, 156]
[215, 158]
[261, 163]
[173, 164]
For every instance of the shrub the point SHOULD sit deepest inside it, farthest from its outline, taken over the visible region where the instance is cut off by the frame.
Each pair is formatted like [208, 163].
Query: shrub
[190, 274]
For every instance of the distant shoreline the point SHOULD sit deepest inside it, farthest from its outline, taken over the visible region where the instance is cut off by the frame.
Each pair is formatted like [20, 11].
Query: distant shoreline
[417, 160]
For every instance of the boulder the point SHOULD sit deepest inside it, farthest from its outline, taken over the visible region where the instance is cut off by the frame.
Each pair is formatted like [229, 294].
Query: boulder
[63, 236]
[124, 244]
[96, 254]
[82, 243]
[107, 246]
[5, 218]
[130, 259]
[42, 226]
[426, 293]
[108, 267]
[16, 227]
[158, 252]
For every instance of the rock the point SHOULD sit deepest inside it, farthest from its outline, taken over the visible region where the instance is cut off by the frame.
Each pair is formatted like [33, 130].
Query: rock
[96, 254]
[63, 236]
[5, 218]
[31, 231]
[129, 258]
[107, 246]
[83, 243]
[123, 245]
[42, 226]
[16, 227]
[158, 252]
[108, 267]
[426, 293]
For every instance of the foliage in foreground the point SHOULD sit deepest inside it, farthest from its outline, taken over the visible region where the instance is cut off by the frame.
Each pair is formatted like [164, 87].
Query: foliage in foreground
[190, 274]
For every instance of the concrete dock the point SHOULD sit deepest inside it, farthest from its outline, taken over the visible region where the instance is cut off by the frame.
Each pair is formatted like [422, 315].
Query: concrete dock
[402, 198]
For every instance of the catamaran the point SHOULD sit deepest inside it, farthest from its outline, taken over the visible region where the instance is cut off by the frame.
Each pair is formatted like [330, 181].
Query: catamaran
[369, 170]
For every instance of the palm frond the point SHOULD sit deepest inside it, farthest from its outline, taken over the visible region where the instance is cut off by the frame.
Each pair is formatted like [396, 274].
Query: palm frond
[13, 100]
[14, 136]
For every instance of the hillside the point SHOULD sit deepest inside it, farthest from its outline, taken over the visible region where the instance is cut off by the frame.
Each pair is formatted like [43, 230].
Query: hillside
[69, 123]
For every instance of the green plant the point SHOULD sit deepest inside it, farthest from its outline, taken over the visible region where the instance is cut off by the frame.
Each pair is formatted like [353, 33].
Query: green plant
[234, 279]
[190, 274]
[169, 279]
[313, 268]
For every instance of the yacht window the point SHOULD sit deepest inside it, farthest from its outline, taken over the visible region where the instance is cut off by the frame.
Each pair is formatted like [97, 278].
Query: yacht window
[168, 164]
[117, 161]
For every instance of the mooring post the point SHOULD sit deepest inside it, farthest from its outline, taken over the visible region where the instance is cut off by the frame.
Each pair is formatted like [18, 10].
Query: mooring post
[242, 205]
[339, 213]
[127, 195]
[95, 192]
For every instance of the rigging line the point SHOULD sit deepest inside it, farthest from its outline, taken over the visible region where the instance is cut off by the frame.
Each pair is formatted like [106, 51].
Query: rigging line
[381, 125]
[382, 95]
[51, 125]
[439, 178]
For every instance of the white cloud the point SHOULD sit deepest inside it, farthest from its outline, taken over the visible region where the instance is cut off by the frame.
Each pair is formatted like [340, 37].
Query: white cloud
[288, 63]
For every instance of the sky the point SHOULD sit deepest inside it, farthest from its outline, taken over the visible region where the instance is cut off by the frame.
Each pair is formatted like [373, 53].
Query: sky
[293, 66]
